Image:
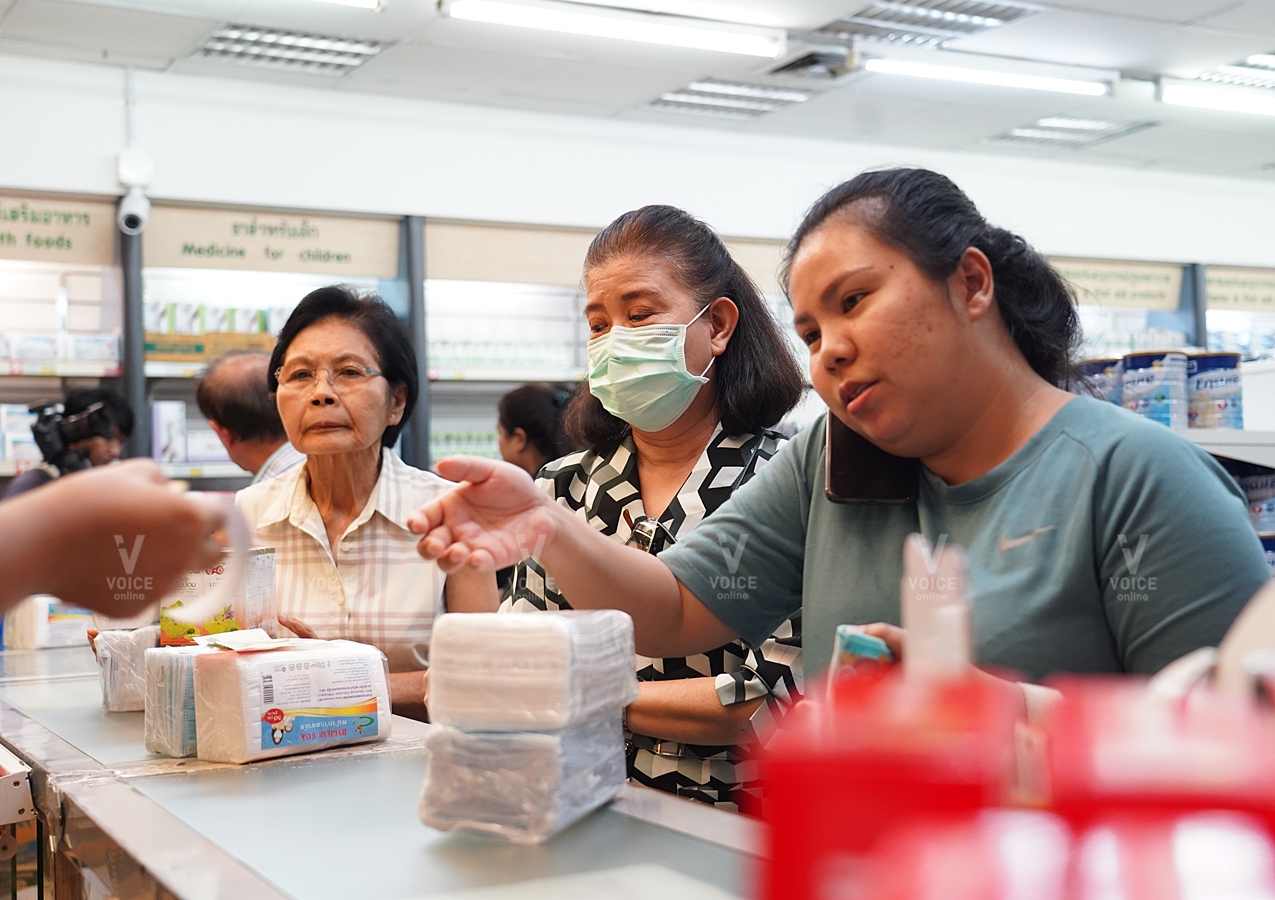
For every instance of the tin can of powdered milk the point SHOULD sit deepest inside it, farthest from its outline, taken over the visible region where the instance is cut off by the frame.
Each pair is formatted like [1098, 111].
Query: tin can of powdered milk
[1154, 386]
[1103, 378]
[1213, 390]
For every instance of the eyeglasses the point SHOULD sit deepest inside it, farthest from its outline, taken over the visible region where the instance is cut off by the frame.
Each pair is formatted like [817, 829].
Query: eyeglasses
[349, 377]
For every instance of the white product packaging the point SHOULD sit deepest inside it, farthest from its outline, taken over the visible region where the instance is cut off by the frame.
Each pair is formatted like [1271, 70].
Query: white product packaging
[16, 419]
[935, 612]
[19, 448]
[92, 347]
[524, 787]
[306, 695]
[204, 446]
[170, 699]
[42, 621]
[39, 346]
[168, 430]
[254, 603]
[122, 657]
[530, 671]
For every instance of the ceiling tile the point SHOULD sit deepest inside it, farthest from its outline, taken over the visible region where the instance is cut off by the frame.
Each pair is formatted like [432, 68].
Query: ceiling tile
[445, 71]
[115, 33]
[1254, 17]
[1162, 10]
[1114, 42]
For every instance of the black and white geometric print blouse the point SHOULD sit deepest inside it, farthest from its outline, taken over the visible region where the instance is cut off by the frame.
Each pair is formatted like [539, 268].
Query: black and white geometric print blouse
[604, 489]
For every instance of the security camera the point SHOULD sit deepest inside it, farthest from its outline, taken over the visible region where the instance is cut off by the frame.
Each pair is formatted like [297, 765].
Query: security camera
[134, 211]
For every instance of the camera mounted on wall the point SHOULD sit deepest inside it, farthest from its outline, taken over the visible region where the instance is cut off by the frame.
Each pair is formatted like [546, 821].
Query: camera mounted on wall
[56, 433]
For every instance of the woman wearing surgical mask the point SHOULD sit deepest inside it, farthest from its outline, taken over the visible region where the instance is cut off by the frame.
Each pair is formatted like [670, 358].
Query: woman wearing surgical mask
[940, 337]
[687, 374]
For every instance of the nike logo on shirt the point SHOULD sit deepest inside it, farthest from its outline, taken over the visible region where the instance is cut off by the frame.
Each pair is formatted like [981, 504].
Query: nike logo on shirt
[1007, 544]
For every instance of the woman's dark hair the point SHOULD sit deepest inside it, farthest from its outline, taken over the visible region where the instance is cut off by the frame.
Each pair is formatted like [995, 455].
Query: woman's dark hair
[757, 380]
[537, 409]
[114, 407]
[372, 316]
[930, 219]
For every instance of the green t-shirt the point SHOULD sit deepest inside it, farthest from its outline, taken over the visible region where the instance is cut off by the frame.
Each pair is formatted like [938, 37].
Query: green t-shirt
[1107, 543]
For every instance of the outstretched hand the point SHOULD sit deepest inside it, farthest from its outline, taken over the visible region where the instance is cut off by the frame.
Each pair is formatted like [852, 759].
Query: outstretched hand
[493, 518]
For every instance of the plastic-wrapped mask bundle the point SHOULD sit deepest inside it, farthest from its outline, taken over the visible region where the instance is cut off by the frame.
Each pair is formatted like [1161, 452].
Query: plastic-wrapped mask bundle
[308, 695]
[170, 700]
[523, 786]
[121, 654]
[532, 671]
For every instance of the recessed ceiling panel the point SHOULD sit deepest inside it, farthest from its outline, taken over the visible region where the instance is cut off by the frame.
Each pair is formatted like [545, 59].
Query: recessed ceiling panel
[116, 32]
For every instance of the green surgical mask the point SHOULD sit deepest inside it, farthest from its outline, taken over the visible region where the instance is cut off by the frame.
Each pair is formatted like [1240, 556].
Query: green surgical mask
[639, 374]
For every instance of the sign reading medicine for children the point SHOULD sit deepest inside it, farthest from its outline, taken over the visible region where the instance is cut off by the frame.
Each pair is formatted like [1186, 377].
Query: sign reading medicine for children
[1113, 283]
[182, 237]
[67, 231]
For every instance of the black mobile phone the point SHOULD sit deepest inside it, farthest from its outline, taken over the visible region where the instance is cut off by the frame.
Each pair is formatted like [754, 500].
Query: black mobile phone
[858, 471]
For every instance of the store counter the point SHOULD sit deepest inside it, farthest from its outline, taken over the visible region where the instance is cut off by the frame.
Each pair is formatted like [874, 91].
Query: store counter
[119, 821]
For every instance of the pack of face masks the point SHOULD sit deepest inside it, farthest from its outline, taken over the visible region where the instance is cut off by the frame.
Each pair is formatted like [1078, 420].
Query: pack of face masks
[170, 699]
[42, 621]
[523, 786]
[287, 697]
[530, 671]
[121, 656]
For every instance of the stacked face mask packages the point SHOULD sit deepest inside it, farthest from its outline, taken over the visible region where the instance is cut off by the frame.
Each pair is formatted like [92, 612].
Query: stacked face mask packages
[279, 698]
[170, 700]
[121, 655]
[528, 708]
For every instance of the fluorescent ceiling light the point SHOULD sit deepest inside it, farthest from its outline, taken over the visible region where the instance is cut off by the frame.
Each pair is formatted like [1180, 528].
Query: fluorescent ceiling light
[289, 50]
[1226, 99]
[605, 22]
[1068, 132]
[729, 99]
[1264, 60]
[988, 77]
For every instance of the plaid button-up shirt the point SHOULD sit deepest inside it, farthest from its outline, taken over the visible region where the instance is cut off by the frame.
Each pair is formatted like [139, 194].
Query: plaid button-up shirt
[376, 589]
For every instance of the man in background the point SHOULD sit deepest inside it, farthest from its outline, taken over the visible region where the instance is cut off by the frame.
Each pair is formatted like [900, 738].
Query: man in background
[234, 397]
[98, 450]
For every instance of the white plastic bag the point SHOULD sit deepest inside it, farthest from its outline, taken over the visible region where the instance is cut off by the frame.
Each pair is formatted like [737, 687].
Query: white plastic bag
[530, 671]
[521, 786]
[121, 656]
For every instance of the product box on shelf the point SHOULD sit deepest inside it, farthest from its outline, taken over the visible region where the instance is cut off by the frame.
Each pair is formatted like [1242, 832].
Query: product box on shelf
[204, 446]
[92, 347]
[15, 418]
[35, 346]
[20, 448]
[218, 343]
[254, 605]
[184, 348]
[168, 430]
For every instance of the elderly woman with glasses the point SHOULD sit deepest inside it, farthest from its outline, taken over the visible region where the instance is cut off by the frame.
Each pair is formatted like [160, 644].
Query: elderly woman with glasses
[345, 380]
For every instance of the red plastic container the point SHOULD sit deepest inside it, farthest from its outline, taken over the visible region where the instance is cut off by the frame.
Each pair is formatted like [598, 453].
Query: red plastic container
[885, 751]
[993, 855]
[1195, 857]
[1115, 748]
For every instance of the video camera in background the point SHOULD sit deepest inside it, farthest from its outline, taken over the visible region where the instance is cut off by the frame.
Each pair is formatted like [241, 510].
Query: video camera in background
[55, 433]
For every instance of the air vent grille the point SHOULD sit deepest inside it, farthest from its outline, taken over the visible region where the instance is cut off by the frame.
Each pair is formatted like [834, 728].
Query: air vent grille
[728, 99]
[923, 23]
[289, 50]
[1068, 133]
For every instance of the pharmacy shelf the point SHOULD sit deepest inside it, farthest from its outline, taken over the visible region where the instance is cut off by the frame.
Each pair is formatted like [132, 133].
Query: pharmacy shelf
[204, 470]
[156, 369]
[505, 374]
[1257, 447]
[60, 368]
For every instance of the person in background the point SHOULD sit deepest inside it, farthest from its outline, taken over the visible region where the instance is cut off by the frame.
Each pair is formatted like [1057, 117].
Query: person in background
[344, 376]
[688, 372]
[234, 396]
[529, 426]
[529, 433]
[98, 450]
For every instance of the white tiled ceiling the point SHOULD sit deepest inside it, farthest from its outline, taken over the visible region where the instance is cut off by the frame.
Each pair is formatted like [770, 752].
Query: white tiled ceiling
[466, 62]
